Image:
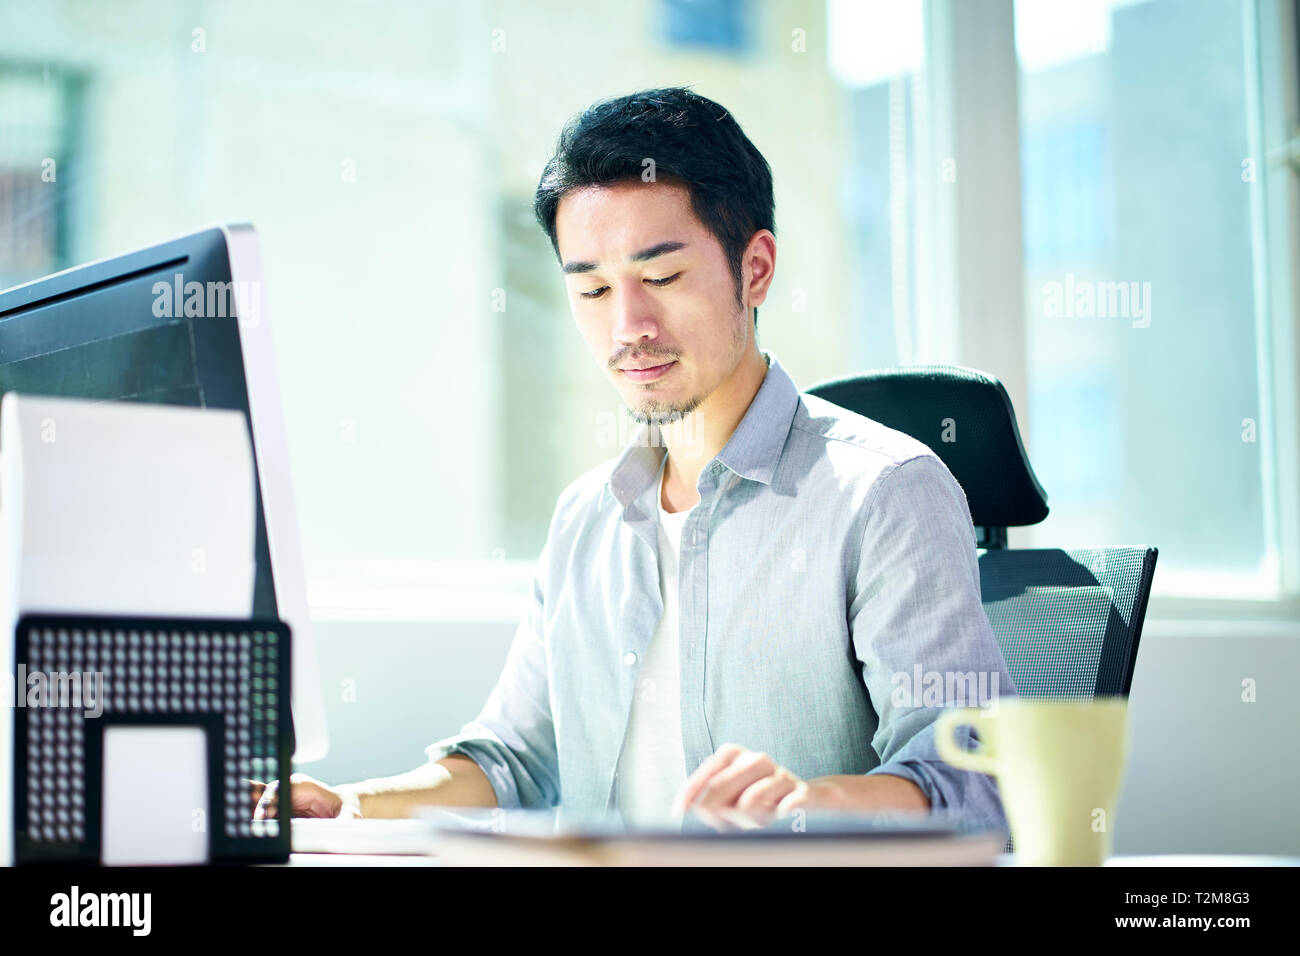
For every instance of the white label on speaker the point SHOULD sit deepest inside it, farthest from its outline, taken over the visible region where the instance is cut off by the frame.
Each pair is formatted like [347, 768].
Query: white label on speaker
[155, 796]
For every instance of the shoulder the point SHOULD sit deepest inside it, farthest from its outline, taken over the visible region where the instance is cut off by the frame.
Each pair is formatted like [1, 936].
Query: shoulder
[868, 457]
[820, 428]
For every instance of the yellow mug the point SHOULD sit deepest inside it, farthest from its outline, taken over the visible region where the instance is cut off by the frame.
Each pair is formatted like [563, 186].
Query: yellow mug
[1059, 765]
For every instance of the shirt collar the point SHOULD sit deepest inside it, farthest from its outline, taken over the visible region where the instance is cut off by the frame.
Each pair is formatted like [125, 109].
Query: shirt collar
[753, 451]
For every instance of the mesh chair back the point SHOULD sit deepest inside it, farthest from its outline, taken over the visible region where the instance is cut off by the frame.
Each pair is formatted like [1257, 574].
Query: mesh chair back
[1068, 621]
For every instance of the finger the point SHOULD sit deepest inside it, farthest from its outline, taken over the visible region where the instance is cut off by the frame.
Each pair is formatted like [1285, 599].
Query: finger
[256, 789]
[796, 799]
[268, 805]
[763, 795]
[711, 764]
[728, 784]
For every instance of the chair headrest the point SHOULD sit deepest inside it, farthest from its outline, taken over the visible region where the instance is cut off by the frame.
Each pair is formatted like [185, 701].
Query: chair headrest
[965, 417]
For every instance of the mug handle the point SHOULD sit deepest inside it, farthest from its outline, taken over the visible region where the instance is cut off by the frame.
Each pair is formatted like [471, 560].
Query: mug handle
[980, 759]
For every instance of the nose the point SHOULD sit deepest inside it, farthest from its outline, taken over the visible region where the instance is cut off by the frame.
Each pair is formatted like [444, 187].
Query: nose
[635, 319]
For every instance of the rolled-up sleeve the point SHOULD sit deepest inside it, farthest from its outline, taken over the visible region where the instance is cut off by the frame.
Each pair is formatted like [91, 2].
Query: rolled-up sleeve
[513, 738]
[921, 634]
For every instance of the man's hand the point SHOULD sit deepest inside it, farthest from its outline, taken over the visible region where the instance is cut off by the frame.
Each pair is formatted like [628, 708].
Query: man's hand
[311, 798]
[737, 788]
[743, 789]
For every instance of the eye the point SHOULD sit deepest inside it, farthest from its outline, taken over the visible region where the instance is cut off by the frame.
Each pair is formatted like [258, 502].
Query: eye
[597, 293]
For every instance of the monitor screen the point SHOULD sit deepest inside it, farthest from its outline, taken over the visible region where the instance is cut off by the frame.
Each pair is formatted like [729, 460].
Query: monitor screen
[178, 323]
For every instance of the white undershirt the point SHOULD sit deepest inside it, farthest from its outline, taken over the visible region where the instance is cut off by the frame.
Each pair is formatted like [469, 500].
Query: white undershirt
[651, 769]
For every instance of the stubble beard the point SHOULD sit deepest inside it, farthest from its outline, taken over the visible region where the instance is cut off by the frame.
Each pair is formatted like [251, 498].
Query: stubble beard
[652, 411]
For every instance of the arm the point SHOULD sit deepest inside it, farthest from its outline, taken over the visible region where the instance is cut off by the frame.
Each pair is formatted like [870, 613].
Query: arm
[872, 791]
[506, 757]
[916, 608]
[454, 781]
[512, 741]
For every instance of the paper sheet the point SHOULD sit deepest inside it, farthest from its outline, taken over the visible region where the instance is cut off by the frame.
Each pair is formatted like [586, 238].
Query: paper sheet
[126, 508]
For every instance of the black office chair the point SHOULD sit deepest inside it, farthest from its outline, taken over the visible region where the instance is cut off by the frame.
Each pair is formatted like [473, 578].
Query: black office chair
[1068, 621]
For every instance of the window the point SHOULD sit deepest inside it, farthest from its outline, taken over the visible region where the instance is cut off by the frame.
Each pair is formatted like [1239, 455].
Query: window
[1146, 325]
[437, 395]
[877, 53]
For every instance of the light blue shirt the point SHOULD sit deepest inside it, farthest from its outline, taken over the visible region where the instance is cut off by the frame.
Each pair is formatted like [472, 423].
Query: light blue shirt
[828, 591]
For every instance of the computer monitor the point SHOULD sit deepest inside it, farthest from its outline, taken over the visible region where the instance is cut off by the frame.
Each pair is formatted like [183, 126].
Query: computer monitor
[183, 323]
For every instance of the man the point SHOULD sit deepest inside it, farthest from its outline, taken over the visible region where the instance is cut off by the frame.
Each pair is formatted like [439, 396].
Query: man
[728, 615]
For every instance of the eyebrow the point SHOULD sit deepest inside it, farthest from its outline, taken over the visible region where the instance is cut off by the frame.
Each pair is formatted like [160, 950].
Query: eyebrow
[660, 249]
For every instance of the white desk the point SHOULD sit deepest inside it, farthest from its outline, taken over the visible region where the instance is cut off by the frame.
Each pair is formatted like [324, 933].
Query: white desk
[359, 859]
[1172, 860]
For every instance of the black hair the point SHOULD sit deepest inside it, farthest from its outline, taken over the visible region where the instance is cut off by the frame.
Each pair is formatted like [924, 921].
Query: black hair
[689, 139]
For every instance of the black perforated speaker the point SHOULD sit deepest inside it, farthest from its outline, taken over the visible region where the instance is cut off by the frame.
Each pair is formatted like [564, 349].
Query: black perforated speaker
[230, 678]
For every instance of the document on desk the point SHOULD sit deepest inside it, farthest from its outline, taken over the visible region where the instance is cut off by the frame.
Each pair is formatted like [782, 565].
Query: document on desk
[816, 838]
[125, 508]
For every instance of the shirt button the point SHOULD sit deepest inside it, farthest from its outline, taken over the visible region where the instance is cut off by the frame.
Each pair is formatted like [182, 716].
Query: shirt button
[629, 658]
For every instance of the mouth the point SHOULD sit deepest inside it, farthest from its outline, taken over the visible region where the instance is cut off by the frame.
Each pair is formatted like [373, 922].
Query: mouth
[648, 374]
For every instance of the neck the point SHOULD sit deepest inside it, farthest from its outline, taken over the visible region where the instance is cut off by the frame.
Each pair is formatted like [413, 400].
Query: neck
[695, 440]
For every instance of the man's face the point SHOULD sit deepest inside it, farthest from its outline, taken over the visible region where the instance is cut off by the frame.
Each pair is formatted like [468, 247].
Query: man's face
[649, 285]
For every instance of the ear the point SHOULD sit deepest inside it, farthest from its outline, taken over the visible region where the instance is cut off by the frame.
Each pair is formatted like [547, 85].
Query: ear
[758, 266]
